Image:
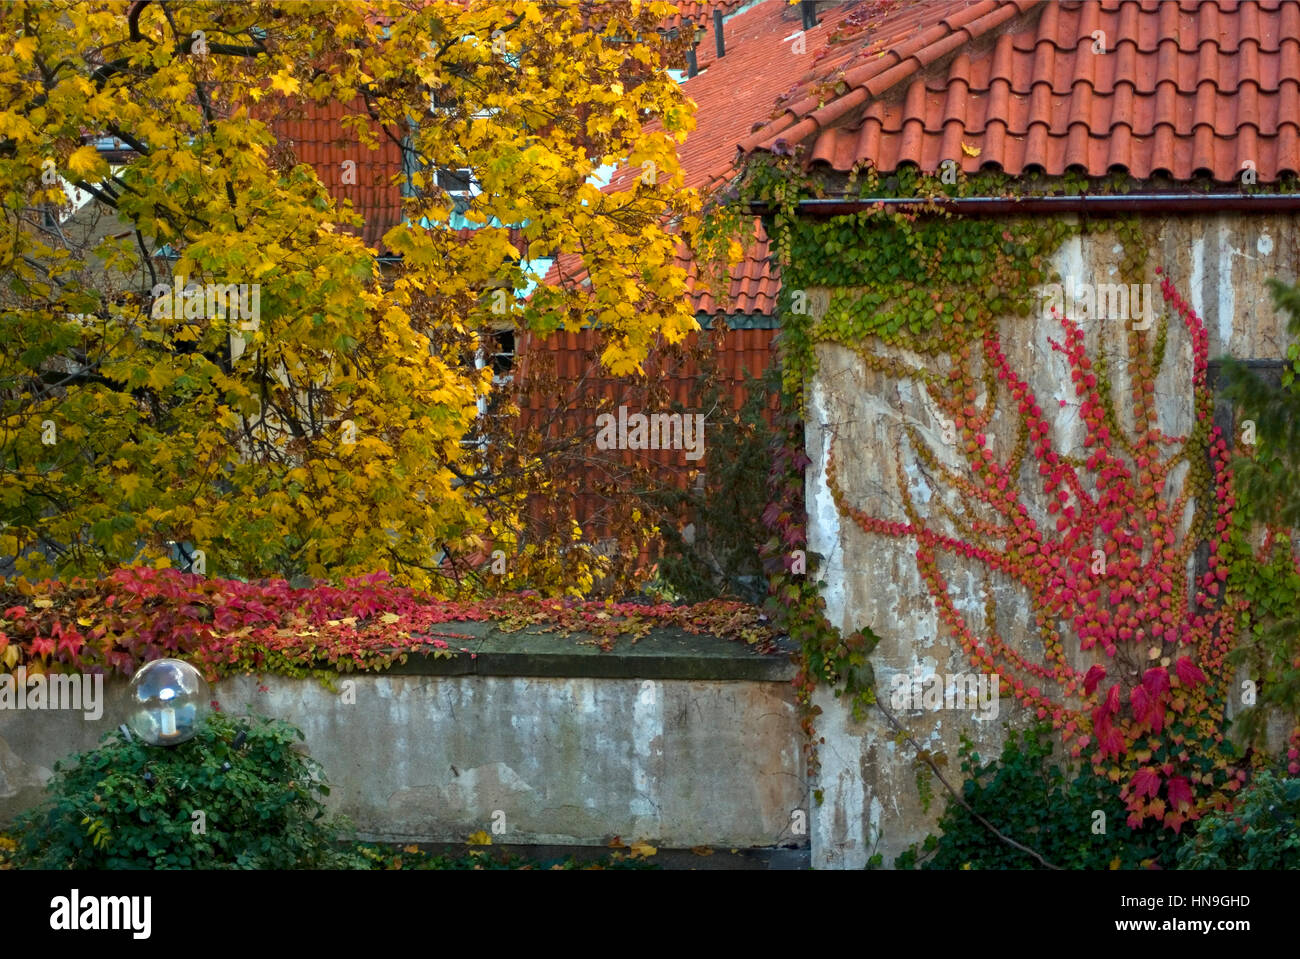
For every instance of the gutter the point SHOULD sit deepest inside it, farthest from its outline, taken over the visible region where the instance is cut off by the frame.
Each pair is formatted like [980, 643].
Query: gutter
[1101, 205]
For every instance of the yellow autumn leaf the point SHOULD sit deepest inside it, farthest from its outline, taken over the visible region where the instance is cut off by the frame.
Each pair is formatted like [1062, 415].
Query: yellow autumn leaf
[24, 48]
[969, 150]
[642, 849]
[159, 378]
[480, 838]
[16, 127]
[389, 618]
[285, 82]
[85, 160]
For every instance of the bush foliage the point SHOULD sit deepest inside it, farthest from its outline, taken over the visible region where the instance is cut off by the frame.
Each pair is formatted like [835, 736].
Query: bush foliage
[1051, 809]
[239, 795]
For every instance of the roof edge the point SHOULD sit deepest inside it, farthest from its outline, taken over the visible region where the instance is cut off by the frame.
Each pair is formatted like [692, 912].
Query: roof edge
[865, 80]
[1094, 204]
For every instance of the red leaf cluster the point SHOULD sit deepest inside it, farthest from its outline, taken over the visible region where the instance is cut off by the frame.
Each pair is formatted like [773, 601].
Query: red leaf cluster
[226, 626]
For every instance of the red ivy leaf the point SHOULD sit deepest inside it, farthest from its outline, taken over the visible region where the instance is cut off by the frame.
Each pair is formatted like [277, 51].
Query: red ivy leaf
[1188, 672]
[1095, 675]
[1140, 700]
[1156, 681]
[1179, 793]
[1109, 739]
[1146, 782]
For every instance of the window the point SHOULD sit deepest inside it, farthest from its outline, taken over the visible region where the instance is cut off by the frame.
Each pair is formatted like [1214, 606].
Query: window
[441, 100]
[497, 350]
[460, 185]
[503, 360]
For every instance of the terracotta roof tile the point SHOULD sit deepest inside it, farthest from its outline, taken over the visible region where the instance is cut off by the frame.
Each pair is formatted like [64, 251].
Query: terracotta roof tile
[701, 12]
[752, 289]
[315, 133]
[568, 410]
[1185, 88]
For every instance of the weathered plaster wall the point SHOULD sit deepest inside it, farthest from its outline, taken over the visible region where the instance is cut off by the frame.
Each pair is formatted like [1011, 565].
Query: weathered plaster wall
[566, 760]
[871, 799]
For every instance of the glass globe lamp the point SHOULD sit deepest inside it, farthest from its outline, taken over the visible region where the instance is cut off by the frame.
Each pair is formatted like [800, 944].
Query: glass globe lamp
[166, 702]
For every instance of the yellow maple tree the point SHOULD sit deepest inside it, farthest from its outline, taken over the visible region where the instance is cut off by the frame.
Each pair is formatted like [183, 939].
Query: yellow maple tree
[205, 359]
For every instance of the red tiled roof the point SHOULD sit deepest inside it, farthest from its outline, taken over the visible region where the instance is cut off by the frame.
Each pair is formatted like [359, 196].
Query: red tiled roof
[751, 290]
[735, 93]
[701, 12]
[316, 134]
[730, 94]
[738, 93]
[1184, 89]
[565, 408]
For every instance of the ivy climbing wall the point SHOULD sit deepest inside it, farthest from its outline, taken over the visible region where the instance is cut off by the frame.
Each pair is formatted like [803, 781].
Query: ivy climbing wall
[889, 393]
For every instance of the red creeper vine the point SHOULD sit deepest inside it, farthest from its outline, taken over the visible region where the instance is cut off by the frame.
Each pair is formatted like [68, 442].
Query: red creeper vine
[1100, 547]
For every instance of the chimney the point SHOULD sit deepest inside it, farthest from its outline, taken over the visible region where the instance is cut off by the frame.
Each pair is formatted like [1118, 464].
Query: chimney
[692, 65]
[808, 10]
[717, 31]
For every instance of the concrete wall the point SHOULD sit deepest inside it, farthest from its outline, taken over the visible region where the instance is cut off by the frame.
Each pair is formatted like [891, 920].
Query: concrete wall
[871, 799]
[566, 760]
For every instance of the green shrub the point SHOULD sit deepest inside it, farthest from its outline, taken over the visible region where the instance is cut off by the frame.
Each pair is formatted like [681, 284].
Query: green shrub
[1032, 800]
[380, 856]
[1258, 833]
[220, 801]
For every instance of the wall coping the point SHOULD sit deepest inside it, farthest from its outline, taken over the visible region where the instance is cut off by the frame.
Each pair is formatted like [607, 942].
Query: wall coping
[662, 653]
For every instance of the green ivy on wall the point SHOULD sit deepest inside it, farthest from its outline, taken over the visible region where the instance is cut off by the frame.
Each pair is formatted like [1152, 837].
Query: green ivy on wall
[914, 278]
